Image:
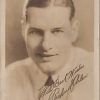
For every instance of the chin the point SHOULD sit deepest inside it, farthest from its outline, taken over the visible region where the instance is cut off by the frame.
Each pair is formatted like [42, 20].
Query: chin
[47, 68]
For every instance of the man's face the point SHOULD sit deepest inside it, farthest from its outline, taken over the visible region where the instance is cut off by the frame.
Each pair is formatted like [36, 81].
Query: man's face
[48, 37]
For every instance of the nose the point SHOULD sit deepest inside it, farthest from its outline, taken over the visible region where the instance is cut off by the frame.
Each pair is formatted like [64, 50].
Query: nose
[46, 42]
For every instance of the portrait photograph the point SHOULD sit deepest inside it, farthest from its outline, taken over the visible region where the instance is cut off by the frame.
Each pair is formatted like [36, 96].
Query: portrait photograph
[49, 50]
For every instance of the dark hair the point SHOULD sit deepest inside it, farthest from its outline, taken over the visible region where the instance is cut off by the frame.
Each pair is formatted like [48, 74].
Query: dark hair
[45, 3]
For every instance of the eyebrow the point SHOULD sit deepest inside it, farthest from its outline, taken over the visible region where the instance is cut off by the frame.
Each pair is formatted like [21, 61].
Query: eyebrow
[57, 28]
[41, 30]
[35, 29]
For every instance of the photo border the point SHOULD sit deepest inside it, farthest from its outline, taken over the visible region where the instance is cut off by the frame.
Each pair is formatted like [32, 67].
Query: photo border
[96, 46]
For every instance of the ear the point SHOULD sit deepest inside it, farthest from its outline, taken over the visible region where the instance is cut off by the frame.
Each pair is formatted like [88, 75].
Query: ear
[75, 30]
[23, 23]
[25, 27]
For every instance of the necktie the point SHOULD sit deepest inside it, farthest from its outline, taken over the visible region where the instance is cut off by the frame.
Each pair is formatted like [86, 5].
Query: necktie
[49, 81]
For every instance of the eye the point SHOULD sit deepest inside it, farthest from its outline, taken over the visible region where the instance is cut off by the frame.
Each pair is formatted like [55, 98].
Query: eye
[33, 31]
[57, 31]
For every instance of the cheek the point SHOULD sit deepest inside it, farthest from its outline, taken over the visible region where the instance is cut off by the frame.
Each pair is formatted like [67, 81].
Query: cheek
[33, 42]
[64, 48]
[32, 45]
[63, 44]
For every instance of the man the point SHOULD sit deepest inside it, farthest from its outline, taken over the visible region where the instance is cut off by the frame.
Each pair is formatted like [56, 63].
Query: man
[55, 69]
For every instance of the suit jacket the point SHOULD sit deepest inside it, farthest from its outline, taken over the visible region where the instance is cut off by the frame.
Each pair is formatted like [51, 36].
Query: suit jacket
[25, 81]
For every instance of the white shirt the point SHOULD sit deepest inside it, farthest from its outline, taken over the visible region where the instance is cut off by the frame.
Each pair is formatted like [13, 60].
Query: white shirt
[23, 79]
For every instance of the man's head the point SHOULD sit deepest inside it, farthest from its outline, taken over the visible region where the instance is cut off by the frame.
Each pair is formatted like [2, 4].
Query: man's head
[49, 31]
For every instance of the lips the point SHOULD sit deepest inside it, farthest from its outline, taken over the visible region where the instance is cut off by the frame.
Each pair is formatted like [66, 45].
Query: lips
[46, 55]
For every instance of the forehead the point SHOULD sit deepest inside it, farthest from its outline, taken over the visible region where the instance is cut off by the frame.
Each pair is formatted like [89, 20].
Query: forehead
[50, 16]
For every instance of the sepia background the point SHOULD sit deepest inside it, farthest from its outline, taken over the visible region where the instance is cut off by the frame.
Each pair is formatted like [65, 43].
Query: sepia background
[15, 47]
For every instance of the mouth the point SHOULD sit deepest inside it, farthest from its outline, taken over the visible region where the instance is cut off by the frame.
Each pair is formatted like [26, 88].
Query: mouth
[46, 55]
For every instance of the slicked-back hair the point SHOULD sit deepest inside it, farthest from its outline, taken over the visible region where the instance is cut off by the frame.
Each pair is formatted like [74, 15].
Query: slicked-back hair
[46, 3]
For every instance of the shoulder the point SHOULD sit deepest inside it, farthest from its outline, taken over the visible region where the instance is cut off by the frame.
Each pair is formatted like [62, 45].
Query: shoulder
[82, 52]
[17, 81]
[19, 64]
[83, 56]
[17, 68]
[85, 88]
[16, 71]
[19, 71]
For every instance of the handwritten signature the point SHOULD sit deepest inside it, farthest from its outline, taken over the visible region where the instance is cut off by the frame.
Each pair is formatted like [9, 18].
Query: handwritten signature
[56, 92]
